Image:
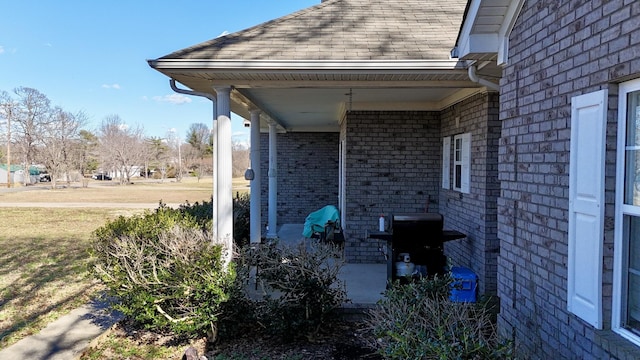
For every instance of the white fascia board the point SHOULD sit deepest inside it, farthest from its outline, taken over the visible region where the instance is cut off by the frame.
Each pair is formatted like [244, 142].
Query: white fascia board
[480, 44]
[465, 32]
[484, 43]
[505, 30]
[307, 65]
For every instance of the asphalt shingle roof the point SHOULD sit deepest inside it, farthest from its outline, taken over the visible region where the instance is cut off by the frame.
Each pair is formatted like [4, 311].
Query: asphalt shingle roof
[344, 30]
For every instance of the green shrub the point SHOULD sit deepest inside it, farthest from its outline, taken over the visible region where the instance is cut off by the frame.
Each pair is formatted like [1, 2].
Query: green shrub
[241, 220]
[202, 212]
[297, 294]
[418, 321]
[164, 268]
[151, 224]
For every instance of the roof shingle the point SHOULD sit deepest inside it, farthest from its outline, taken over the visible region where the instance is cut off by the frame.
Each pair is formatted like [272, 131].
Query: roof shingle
[344, 30]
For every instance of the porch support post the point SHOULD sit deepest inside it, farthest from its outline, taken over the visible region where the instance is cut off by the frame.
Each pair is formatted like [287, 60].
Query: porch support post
[255, 230]
[273, 182]
[214, 153]
[224, 188]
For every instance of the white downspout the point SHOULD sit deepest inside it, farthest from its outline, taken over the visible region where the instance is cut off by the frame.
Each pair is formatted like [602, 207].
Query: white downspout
[214, 129]
[474, 77]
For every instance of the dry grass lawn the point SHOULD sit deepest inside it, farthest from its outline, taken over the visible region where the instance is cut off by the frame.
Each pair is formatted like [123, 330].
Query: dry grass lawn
[43, 272]
[43, 262]
[143, 191]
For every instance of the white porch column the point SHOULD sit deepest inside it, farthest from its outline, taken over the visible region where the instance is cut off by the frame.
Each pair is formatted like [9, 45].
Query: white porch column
[214, 153]
[255, 231]
[224, 188]
[273, 182]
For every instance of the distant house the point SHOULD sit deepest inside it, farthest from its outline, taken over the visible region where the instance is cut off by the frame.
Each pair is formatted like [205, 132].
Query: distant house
[4, 173]
[515, 119]
[17, 174]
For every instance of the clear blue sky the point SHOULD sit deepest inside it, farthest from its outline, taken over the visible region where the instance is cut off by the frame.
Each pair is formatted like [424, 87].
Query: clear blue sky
[90, 56]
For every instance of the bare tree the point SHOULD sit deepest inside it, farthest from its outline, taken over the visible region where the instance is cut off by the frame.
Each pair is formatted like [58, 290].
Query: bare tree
[34, 112]
[240, 155]
[58, 139]
[175, 143]
[8, 111]
[122, 148]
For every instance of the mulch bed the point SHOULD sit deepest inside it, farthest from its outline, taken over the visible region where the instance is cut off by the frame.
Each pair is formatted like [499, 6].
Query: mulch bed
[346, 340]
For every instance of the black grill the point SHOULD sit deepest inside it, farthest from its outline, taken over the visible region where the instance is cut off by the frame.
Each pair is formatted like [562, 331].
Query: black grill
[422, 236]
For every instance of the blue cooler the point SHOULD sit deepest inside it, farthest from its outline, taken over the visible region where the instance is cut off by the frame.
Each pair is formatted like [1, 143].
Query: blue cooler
[464, 285]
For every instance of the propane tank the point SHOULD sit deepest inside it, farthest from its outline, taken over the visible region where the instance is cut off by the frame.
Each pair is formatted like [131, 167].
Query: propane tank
[404, 266]
[381, 223]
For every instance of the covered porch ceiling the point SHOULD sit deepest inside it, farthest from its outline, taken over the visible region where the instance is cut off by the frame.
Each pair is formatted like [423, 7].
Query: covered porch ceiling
[314, 96]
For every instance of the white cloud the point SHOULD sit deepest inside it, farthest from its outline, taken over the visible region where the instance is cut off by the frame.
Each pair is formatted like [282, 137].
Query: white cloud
[241, 138]
[4, 50]
[111, 86]
[177, 99]
[48, 45]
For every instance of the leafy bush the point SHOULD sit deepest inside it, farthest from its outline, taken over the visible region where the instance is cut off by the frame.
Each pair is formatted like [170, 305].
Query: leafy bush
[298, 288]
[241, 220]
[418, 321]
[151, 224]
[164, 268]
[202, 213]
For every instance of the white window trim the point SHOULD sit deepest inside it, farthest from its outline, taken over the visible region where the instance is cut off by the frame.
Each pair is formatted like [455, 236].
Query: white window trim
[621, 211]
[446, 162]
[465, 162]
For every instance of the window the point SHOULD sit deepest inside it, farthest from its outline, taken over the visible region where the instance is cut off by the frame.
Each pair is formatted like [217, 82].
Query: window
[462, 162]
[626, 316]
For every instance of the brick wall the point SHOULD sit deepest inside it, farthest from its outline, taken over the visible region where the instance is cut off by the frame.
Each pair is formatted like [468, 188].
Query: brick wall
[475, 213]
[307, 174]
[393, 166]
[557, 50]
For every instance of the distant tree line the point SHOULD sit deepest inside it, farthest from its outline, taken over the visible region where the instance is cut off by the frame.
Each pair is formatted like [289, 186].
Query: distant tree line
[36, 133]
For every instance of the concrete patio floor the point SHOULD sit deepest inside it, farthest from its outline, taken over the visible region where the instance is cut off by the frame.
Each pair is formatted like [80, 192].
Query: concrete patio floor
[365, 283]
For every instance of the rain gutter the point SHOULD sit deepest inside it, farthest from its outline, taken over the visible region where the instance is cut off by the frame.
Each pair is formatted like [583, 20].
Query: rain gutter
[473, 76]
[356, 66]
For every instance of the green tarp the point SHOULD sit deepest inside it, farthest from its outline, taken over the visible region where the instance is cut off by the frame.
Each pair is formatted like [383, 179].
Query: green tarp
[316, 221]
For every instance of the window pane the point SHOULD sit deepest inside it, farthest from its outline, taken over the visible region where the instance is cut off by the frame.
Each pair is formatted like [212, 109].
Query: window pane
[633, 307]
[634, 243]
[633, 119]
[458, 177]
[632, 177]
[633, 275]
[632, 153]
